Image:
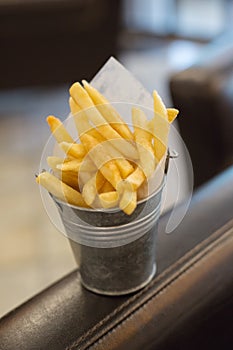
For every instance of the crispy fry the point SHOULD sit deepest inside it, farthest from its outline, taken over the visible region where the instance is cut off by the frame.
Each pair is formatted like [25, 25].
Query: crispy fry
[68, 177]
[160, 149]
[111, 173]
[53, 161]
[131, 199]
[58, 130]
[172, 114]
[81, 97]
[159, 127]
[123, 164]
[109, 199]
[77, 165]
[159, 106]
[84, 127]
[60, 190]
[74, 107]
[80, 117]
[135, 180]
[125, 167]
[84, 176]
[91, 187]
[72, 165]
[95, 150]
[143, 139]
[75, 150]
[71, 179]
[128, 201]
[140, 123]
[102, 160]
[81, 121]
[107, 187]
[142, 191]
[109, 113]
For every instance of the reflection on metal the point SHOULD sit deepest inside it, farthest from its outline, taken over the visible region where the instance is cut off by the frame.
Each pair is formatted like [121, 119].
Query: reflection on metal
[170, 155]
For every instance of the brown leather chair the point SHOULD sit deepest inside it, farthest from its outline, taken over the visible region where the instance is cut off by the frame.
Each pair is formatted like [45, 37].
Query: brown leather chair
[204, 95]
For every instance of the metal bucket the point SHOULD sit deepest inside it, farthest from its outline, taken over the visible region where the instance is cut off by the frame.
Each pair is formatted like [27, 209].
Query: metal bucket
[115, 252]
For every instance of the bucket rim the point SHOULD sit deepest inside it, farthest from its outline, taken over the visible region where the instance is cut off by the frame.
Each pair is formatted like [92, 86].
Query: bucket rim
[110, 210]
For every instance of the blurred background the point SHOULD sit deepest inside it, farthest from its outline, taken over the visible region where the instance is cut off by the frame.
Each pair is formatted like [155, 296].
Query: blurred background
[45, 46]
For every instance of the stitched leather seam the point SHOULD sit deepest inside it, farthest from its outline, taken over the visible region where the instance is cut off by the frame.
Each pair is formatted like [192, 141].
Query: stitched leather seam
[201, 246]
[185, 272]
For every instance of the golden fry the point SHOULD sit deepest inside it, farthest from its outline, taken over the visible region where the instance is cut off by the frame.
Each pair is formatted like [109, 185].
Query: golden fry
[172, 114]
[143, 139]
[68, 177]
[77, 165]
[160, 149]
[135, 180]
[128, 201]
[84, 127]
[74, 107]
[81, 97]
[159, 106]
[84, 176]
[71, 179]
[107, 187]
[60, 190]
[159, 127]
[142, 191]
[109, 113]
[102, 160]
[58, 130]
[75, 150]
[53, 161]
[109, 199]
[91, 187]
[125, 167]
[123, 164]
[72, 165]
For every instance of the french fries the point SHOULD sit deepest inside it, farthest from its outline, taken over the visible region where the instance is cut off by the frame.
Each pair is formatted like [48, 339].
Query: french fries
[54, 161]
[68, 177]
[81, 97]
[75, 150]
[143, 140]
[60, 190]
[92, 186]
[159, 106]
[128, 201]
[107, 187]
[58, 130]
[109, 199]
[109, 165]
[76, 165]
[108, 112]
[172, 114]
[102, 160]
